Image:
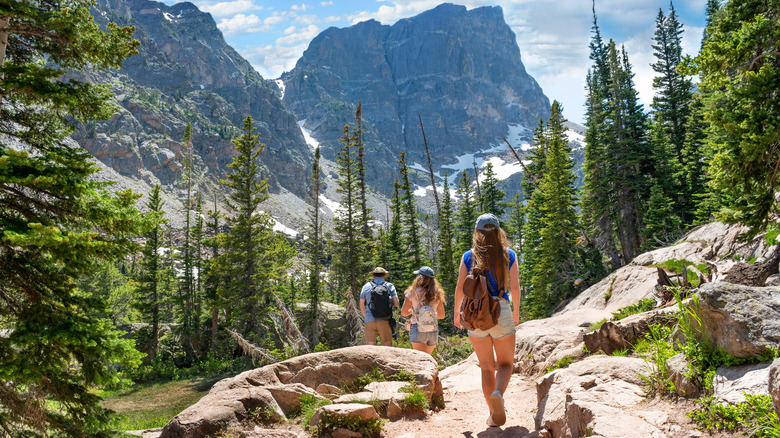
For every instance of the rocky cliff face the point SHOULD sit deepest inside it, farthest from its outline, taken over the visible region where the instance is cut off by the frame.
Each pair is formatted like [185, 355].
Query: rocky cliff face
[459, 70]
[186, 72]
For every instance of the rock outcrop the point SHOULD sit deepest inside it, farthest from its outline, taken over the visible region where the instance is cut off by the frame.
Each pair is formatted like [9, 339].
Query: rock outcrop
[459, 70]
[623, 334]
[598, 396]
[740, 320]
[272, 392]
[186, 72]
[731, 383]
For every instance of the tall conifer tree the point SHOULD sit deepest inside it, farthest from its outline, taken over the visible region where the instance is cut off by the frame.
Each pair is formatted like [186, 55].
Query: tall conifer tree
[492, 198]
[467, 213]
[448, 266]
[314, 247]
[57, 223]
[349, 245]
[410, 219]
[149, 291]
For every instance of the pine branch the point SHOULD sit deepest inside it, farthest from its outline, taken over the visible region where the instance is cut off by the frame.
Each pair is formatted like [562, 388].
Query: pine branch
[354, 319]
[258, 355]
[291, 327]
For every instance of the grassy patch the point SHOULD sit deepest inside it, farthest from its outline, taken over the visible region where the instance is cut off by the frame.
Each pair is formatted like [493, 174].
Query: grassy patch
[676, 265]
[151, 405]
[644, 305]
[309, 405]
[755, 417]
[416, 400]
[329, 423]
[452, 350]
[656, 350]
[562, 363]
[597, 325]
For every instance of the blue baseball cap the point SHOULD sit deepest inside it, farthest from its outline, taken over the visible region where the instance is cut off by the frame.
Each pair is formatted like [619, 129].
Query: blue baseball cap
[425, 270]
[487, 222]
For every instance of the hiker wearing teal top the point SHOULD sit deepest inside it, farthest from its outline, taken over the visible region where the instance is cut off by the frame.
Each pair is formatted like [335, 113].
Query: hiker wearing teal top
[425, 304]
[490, 251]
[377, 299]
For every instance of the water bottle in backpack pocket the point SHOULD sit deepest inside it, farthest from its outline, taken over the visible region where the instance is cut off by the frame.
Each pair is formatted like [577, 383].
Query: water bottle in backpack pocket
[426, 319]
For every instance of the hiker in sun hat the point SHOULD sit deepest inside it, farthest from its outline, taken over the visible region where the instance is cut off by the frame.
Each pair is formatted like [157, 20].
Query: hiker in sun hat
[425, 303]
[495, 347]
[377, 299]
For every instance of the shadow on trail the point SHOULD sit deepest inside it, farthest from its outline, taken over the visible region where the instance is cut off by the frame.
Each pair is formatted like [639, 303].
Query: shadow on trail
[513, 431]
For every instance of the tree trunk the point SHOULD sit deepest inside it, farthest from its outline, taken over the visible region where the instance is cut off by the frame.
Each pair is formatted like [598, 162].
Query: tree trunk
[5, 22]
[214, 325]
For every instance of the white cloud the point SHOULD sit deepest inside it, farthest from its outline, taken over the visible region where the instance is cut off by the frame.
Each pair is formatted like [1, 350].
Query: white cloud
[241, 23]
[328, 3]
[300, 7]
[289, 30]
[225, 9]
[306, 19]
[273, 59]
[276, 18]
[305, 35]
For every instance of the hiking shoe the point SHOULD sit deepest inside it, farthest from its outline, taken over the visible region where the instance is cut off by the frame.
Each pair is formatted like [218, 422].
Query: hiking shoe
[497, 407]
[490, 421]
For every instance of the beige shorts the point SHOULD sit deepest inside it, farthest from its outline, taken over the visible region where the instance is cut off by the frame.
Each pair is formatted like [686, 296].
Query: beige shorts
[504, 328]
[381, 328]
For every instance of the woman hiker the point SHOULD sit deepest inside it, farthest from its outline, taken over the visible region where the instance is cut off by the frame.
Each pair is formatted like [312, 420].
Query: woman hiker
[425, 303]
[490, 251]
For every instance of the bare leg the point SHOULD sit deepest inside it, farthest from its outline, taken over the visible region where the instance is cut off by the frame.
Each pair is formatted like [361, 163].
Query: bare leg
[505, 356]
[487, 363]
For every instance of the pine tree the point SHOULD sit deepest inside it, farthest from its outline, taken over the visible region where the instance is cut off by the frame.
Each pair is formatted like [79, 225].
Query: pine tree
[57, 224]
[253, 259]
[467, 213]
[598, 218]
[627, 152]
[315, 248]
[448, 267]
[149, 291]
[187, 280]
[661, 224]
[197, 237]
[515, 224]
[365, 212]
[555, 200]
[492, 199]
[671, 110]
[213, 272]
[349, 259]
[739, 67]
[535, 301]
[395, 251]
[410, 219]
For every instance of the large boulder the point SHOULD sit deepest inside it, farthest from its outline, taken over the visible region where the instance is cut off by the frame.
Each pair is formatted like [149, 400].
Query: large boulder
[598, 396]
[541, 343]
[275, 390]
[731, 383]
[740, 320]
[333, 320]
[624, 333]
[677, 367]
[774, 384]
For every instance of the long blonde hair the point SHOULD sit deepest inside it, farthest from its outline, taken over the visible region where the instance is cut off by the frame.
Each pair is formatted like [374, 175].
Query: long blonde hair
[433, 291]
[489, 251]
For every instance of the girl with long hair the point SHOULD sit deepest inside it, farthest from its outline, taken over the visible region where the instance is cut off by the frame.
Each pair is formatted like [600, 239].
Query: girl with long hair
[490, 252]
[425, 303]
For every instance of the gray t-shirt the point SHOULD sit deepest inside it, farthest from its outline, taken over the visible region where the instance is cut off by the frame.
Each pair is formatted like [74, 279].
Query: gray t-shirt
[365, 294]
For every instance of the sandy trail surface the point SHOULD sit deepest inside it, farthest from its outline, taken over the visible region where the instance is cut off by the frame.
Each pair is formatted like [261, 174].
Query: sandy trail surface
[466, 410]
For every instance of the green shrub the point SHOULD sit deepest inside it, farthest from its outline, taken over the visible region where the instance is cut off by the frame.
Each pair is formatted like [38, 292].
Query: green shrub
[676, 265]
[644, 305]
[755, 416]
[403, 376]
[562, 363]
[416, 400]
[656, 351]
[621, 353]
[597, 325]
[328, 423]
[452, 350]
[320, 347]
[308, 406]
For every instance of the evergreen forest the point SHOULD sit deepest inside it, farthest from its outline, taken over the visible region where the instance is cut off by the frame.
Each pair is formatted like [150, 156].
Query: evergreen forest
[224, 292]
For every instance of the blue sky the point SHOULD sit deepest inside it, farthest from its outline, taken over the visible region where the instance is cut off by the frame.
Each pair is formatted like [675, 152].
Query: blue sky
[553, 36]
